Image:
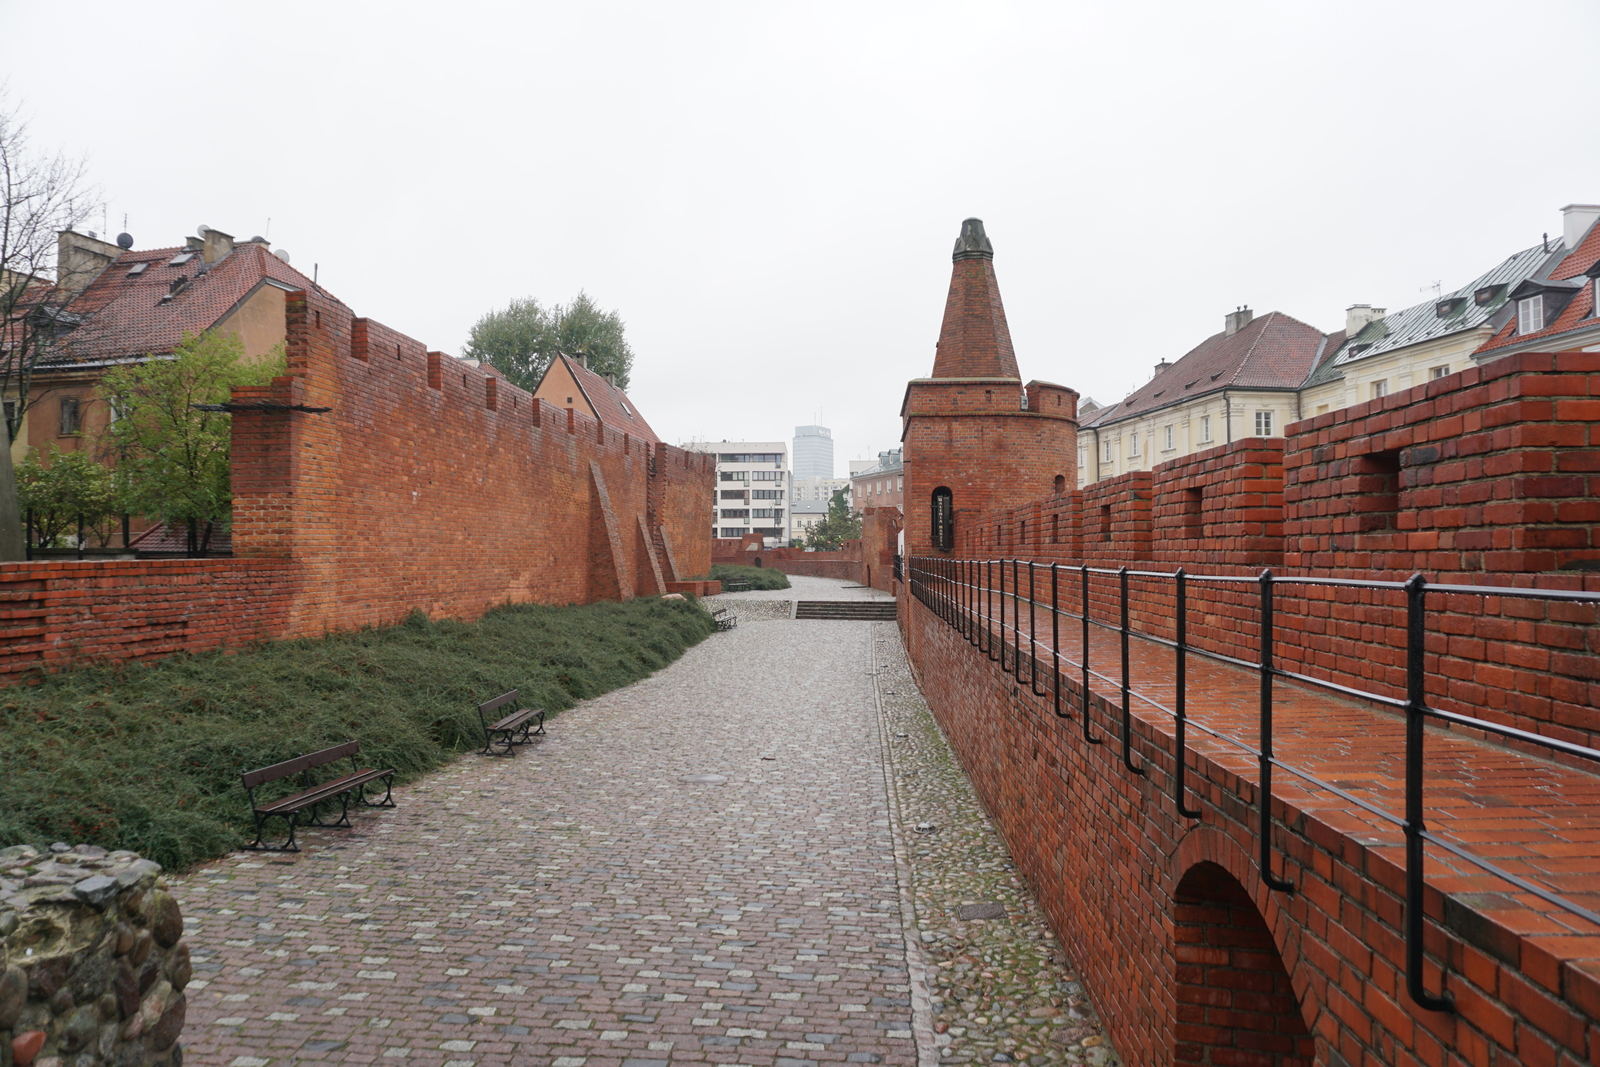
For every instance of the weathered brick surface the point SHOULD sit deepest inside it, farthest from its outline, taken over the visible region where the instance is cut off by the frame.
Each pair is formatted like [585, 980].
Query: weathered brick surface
[1158, 906]
[427, 484]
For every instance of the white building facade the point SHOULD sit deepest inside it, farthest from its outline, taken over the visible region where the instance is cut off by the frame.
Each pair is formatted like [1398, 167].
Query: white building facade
[752, 493]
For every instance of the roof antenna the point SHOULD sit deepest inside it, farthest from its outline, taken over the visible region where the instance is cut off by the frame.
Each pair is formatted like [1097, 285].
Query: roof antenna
[1546, 242]
[269, 228]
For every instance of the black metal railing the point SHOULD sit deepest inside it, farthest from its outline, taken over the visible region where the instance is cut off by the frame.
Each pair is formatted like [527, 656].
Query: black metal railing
[964, 593]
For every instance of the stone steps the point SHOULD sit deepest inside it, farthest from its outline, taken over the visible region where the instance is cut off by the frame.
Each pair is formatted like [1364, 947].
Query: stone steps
[856, 610]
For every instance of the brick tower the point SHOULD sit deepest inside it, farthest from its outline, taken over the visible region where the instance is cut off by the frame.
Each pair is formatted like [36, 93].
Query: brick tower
[975, 437]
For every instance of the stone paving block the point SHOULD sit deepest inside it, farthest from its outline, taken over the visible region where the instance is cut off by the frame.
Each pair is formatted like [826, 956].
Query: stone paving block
[583, 905]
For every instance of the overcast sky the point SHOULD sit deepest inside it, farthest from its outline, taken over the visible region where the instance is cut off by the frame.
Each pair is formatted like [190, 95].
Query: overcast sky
[769, 193]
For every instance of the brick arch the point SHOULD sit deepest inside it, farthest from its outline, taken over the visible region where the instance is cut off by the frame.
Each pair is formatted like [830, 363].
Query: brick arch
[1235, 1002]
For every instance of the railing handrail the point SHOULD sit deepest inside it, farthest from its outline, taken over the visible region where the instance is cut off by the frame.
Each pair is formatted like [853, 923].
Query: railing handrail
[962, 592]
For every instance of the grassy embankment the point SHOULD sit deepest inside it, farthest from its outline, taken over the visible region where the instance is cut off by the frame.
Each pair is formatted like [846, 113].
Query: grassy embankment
[758, 577]
[148, 756]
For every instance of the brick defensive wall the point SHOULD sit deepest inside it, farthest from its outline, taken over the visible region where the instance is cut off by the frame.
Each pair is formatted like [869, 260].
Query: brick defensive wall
[1411, 896]
[428, 483]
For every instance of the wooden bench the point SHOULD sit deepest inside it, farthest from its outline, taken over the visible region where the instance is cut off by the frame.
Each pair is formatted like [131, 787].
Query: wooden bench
[510, 731]
[314, 794]
[735, 587]
[724, 620]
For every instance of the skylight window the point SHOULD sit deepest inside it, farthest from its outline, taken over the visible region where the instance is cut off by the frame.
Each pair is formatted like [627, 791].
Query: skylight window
[137, 269]
[180, 259]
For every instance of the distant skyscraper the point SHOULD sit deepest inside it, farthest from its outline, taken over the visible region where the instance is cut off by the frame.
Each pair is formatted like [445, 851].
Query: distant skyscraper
[813, 452]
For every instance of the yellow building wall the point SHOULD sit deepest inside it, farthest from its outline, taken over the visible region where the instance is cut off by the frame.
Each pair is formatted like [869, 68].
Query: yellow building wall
[1188, 431]
[1398, 370]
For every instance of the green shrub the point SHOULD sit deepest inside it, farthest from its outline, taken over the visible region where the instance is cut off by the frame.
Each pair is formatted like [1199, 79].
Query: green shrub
[148, 756]
[758, 577]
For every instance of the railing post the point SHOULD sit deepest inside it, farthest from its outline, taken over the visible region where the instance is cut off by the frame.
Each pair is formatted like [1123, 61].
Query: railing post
[1272, 880]
[1181, 677]
[1055, 641]
[1087, 736]
[1127, 711]
[27, 537]
[1003, 669]
[80, 536]
[988, 607]
[1033, 638]
[1416, 701]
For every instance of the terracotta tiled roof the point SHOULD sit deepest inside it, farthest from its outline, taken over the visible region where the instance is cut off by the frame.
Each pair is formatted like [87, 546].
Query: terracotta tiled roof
[611, 405]
[126, 317]
[166, 539]
[1271, 352]
[1579, 314]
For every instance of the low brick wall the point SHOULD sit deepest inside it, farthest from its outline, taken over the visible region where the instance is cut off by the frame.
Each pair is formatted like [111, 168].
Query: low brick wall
[93, 965]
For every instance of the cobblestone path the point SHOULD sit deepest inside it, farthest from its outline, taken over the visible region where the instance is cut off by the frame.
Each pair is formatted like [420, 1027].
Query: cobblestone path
[704, 867]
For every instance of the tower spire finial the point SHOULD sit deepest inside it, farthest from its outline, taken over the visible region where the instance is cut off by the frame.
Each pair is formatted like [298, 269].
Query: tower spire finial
[973, 242]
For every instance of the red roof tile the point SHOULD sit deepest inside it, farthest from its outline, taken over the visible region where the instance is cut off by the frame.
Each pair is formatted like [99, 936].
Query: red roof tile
[1579, 312]
[611, 405]
[126, 317]
[1271, 352]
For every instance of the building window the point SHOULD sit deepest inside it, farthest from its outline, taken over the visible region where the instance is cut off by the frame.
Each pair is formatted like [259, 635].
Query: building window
[1263, 424]
[943, 520]
[1380, 388]
[766, 494]
[1108, 450]
[766, 476]
[1169, 438]
[1439, 372]
[71, 417]
[1530, 314]
[733, 494]
[736, 513]
[1205, 427]
[736, 476]
[1133, 445]
[763, 513]
[1595, 310]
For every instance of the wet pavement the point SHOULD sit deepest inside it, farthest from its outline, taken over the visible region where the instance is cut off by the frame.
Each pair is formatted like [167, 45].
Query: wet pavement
[719, 864]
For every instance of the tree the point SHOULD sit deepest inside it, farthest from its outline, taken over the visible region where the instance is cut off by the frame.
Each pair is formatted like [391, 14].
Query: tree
[70, 492]
[39, 196]
[521, 340]
[842, 524]
[172, 456]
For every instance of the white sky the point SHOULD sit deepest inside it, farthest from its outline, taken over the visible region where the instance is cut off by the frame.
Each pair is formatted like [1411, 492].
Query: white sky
[769, 193]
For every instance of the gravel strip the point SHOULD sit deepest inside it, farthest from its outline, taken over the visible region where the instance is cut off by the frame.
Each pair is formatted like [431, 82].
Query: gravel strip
[1002, 989]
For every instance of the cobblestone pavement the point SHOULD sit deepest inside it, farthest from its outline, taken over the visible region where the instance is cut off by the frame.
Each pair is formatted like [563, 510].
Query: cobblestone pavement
[802, 587]
[700, 868]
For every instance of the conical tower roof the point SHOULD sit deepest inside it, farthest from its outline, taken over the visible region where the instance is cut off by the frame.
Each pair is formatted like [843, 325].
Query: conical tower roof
[974, 341]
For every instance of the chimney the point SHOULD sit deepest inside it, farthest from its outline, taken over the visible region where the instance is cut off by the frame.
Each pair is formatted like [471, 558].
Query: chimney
[1237, 320]
[1357, 316]
[194, 244]
[1576, 220]
[80, 259]
[1164, 365]
[216, 245]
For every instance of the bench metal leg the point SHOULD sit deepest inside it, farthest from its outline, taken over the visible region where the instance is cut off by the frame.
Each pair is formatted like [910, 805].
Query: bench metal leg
[388, 793]
[260, 845]
[344, 813]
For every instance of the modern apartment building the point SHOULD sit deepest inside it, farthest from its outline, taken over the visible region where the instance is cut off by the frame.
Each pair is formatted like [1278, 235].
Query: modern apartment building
[809, 500]
[752, 489]
[813, 452]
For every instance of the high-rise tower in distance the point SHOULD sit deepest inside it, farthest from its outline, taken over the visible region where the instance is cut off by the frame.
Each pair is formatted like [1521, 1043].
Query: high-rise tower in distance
[813, 452]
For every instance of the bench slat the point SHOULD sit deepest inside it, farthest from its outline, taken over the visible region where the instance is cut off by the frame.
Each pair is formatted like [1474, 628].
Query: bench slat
[254, 778]
[321, 792]
[515, 719]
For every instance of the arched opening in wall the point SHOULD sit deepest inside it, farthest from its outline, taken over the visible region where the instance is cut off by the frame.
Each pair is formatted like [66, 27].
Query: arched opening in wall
[1061, 483]
[1235, 1002]
[943, 520]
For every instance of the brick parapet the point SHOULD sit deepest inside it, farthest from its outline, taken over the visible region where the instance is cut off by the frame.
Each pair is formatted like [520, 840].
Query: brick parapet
[428, 483]
[1106, 853]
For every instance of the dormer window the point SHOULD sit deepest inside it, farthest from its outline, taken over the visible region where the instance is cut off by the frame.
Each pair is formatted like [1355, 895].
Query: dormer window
[1487, 295]
[1449, 306]
[1530, 314]
[1594, 312]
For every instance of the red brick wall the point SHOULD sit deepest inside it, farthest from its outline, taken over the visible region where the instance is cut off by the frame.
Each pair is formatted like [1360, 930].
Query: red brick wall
[427, 484]
[1120, 875]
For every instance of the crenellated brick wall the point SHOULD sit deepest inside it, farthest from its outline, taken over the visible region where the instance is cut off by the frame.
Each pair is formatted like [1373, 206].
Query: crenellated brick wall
[427, 484]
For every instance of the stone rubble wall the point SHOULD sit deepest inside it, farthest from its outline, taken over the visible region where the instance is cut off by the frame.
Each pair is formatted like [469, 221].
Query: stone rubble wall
[93, 964]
